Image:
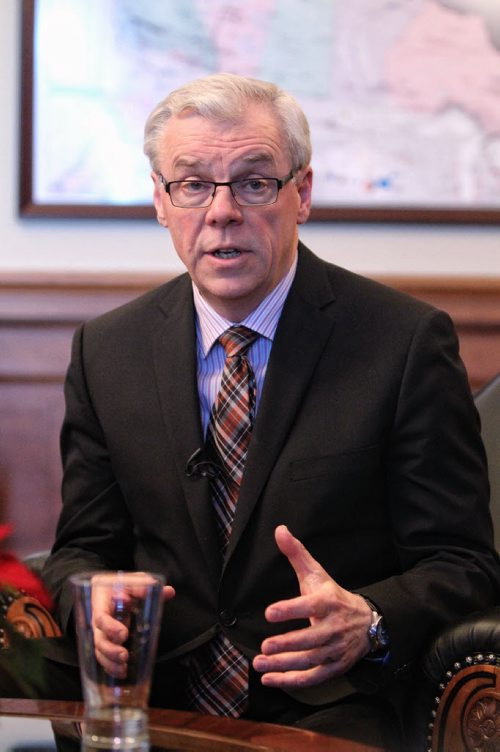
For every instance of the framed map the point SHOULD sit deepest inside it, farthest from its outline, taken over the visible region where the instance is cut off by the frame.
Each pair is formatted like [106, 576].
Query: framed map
[403, 98]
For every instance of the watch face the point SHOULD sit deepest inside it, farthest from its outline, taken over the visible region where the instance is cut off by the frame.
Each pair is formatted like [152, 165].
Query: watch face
[377, 633]
[382, 635]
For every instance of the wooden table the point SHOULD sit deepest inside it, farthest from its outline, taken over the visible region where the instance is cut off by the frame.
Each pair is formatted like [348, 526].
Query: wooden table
[177, 731]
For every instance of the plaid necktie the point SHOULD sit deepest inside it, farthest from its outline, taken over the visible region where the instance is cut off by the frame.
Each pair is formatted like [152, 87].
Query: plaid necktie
[218, 672]
[230, 426]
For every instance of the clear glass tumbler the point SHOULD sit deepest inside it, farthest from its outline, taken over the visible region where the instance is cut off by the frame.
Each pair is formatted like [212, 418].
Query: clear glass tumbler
[117, 612]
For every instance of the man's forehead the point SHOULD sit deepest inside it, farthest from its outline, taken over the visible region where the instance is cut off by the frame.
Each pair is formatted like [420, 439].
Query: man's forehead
[255, 123]
[193, 140]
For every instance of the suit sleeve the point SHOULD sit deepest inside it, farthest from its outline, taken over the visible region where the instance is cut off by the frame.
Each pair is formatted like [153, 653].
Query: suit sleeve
[438, 500]
[94, 530]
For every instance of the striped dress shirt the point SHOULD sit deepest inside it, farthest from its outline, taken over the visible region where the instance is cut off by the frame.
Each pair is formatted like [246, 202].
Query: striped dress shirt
[210, 353]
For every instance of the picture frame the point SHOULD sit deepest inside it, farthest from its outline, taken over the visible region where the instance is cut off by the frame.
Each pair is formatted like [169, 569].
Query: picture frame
[359, 158]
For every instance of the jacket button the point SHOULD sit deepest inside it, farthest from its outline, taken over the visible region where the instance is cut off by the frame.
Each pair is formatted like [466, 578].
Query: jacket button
[227, 618]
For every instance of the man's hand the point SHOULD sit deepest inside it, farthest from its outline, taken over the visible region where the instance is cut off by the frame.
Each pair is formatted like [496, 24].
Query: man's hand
[110, 629]
[337, 635]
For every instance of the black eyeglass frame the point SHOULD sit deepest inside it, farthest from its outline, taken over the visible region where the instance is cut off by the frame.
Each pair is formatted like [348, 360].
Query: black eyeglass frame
[280, 182]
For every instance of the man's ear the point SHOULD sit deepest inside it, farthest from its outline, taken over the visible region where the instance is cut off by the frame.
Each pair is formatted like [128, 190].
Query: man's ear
[157, 199]
[303, 182]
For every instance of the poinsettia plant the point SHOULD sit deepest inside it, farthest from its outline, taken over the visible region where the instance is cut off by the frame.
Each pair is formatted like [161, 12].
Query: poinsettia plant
[16, 576]
[24, 602]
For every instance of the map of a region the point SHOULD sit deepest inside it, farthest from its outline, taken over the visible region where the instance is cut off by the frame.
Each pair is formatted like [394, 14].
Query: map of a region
[403, 97]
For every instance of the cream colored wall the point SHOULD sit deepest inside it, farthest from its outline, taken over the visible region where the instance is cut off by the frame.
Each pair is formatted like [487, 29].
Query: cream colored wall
[117, 245]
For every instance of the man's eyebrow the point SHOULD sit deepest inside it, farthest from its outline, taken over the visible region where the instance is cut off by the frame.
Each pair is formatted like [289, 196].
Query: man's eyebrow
[256, 158]
[188, 162]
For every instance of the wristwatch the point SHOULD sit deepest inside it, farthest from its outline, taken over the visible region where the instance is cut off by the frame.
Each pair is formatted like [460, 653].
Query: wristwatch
[377, 631]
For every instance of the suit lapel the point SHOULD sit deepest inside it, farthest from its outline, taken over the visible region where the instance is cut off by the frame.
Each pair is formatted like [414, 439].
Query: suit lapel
[175, 367]
[305, 326]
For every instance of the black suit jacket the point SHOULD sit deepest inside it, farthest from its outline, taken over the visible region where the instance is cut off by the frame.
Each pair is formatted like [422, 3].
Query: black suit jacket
[366, 444]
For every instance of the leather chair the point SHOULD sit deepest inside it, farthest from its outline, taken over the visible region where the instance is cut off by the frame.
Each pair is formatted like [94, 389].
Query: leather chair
[460, 694]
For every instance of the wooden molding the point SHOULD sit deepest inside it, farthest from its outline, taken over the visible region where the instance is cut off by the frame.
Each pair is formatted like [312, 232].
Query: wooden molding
[64, 299]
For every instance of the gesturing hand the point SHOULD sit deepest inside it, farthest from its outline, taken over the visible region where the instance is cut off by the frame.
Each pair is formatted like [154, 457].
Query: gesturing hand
[337, 635]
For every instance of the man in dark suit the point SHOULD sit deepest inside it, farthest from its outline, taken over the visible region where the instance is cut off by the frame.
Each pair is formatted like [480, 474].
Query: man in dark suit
[361, 526]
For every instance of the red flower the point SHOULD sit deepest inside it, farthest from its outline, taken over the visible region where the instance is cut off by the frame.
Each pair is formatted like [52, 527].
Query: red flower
[16, 576]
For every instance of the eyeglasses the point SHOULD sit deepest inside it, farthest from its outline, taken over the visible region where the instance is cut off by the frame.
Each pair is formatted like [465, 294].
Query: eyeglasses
[198, 194]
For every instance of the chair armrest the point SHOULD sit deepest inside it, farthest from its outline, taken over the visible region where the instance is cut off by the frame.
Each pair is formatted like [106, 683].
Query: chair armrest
[462, 672]
[27, 615]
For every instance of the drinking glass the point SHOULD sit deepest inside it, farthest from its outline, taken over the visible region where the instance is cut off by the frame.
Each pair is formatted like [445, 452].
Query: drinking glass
[116, 699]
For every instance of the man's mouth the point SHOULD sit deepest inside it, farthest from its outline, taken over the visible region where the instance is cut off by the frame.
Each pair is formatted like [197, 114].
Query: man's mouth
[226, 253]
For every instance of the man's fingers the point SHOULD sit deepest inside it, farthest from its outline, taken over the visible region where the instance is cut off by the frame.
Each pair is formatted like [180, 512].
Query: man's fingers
[113, 658]
[296, 661]
[298, 679]
[309, 638]
[304, 565]
[109, 635]
[113, 608]
[336, 636]
[168, 593]
[115, 631]
[301, 607]
[289, 545]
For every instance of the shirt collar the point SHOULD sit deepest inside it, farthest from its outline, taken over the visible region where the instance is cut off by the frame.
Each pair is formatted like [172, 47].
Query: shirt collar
[263, 319]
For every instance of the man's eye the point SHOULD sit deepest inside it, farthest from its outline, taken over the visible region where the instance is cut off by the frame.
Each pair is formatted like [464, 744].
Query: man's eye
[195, 186]
[254, 184]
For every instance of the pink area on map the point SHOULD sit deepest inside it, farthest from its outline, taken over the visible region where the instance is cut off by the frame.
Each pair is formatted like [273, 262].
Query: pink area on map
[444, 59]
[239, 32]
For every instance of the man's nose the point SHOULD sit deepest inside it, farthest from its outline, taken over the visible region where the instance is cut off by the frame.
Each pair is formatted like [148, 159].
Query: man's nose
[223, 207]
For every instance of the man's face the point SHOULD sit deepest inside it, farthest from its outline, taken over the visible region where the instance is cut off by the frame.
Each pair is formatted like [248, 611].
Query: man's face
[234, 254]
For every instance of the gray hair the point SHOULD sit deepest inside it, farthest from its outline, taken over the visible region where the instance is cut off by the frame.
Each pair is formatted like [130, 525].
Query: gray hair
[223, 97]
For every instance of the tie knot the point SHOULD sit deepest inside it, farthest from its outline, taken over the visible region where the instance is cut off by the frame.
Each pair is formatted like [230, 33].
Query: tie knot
[236, 340]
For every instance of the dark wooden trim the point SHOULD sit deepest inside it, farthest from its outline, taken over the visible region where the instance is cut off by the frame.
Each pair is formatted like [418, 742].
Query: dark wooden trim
[476, 287]
[63, 299]
[29, 209]
[26, 101]
[406, 215]
[382, 215]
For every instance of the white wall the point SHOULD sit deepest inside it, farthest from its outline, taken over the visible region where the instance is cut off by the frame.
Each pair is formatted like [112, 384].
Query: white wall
[124, 245]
